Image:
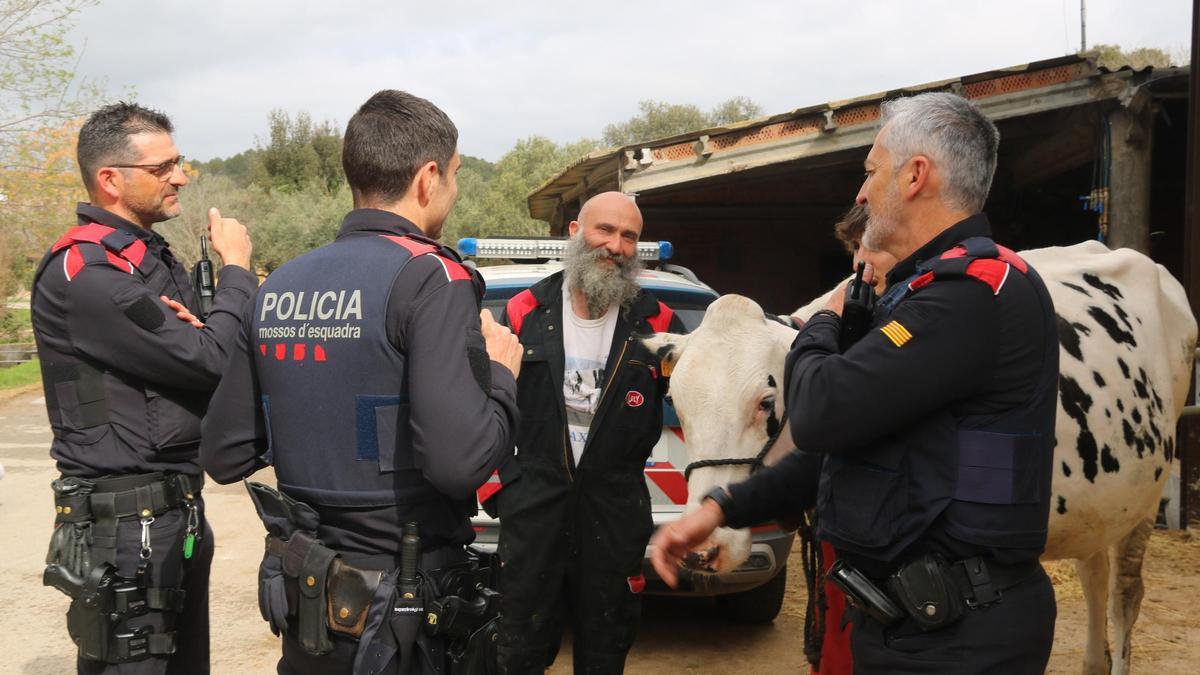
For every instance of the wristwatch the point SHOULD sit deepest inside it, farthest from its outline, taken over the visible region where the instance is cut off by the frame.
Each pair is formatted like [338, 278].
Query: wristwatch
[721, 497]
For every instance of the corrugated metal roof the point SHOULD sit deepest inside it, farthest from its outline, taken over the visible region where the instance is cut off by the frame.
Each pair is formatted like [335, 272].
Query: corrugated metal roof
[831, 117]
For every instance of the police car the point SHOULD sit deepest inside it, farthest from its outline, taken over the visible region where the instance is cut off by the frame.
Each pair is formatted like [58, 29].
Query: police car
[753, 593]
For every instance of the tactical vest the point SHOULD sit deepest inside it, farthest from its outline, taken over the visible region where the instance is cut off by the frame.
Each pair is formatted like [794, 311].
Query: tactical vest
[76, 397]
[334, 390]
[986, 477]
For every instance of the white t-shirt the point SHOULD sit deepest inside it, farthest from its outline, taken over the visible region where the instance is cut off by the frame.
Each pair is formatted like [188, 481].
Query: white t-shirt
[586, 343]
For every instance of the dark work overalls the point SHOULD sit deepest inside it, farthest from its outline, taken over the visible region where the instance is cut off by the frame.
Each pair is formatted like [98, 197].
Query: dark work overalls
[572, 538]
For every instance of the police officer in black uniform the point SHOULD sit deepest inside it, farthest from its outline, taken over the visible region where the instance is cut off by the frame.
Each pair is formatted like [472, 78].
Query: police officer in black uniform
[365, 377]
[934, 433]
[126, 384]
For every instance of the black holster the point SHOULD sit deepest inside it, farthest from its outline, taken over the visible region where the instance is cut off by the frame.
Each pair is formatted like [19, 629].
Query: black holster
[102, 602]
[926, 592]
[81, 562]
[308, 591]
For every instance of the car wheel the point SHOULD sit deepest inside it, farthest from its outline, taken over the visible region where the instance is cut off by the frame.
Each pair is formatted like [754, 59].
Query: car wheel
[758, 605]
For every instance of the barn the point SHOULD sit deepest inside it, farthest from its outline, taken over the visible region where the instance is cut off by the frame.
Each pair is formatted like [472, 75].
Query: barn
[1086, 153]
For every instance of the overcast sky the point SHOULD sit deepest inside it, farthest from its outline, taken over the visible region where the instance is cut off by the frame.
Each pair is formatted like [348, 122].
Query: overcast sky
[507, 70]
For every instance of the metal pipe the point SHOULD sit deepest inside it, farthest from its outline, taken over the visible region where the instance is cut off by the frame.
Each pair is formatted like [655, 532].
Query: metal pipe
[1082, 26]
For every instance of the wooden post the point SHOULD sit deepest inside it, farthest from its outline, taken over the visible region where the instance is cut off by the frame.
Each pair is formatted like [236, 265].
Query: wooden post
[1131, 127]
[1188, 440]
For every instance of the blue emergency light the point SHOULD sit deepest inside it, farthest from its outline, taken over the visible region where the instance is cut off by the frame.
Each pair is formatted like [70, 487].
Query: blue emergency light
[529, 248]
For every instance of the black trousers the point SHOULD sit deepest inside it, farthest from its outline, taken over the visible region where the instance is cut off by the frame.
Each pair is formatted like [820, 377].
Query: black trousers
[569, 557]
[169, 569]
[1012, 636]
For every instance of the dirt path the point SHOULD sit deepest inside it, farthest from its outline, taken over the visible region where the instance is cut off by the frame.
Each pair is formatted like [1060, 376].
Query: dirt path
[677, 636]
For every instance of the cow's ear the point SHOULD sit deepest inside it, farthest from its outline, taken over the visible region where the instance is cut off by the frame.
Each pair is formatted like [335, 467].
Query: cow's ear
[668, 347]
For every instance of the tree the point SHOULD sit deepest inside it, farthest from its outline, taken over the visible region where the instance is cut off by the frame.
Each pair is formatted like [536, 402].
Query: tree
[298, 154]
[659, 119]
[36, 66]
[498, 207]
[1113, 57]
[39, 114]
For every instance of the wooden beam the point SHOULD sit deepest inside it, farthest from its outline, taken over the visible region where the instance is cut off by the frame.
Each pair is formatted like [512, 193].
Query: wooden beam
[1131, 127]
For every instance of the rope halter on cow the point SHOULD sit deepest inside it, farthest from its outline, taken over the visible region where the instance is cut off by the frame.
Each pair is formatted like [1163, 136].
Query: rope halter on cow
[754, 462]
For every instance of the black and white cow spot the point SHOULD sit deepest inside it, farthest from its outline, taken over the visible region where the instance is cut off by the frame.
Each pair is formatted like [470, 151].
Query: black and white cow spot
[1069, 336]
[1062, 504]
[1077, 288]
[1107, 289]
[1124, 367]
[1110, 326]
[1108, 462]
[1076, 403]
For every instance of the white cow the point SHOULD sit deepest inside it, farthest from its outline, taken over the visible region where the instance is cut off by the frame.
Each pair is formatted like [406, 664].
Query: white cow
[1127, 337]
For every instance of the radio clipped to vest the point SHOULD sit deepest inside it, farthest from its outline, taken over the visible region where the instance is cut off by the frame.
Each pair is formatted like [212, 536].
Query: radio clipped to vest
[202, 281]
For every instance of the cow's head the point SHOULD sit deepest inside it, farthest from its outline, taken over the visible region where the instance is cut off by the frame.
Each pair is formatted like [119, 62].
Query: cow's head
[727, 386]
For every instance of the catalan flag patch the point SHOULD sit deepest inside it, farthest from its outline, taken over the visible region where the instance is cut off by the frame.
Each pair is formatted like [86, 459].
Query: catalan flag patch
[896, 333]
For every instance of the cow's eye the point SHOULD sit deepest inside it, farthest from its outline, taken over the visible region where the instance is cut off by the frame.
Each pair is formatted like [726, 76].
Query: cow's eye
[767, 404]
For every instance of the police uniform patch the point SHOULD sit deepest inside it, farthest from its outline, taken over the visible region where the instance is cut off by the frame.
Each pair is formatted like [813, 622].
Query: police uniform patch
[898, 334]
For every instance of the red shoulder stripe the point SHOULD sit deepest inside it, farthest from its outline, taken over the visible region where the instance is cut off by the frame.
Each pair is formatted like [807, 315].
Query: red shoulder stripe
[416, 248]
[135, 253]
[956, 252]
[990, 271]
[1010, 257]
[73, 262]
[455, 271]
[119, 262]
[921, 281]
[661, 322]
[91, 233]
[519, 306]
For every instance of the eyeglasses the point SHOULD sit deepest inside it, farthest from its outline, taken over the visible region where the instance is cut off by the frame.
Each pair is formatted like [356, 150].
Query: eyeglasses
[161, 171]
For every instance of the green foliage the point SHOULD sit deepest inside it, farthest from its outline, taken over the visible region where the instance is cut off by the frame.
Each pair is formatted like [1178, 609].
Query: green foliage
[659, 119]
[298, 154]
[15, 326]
[39, 108]
[21, 375]
[1114, 57]
[236, 167]
[296, 222]
[36, 65]
[492, 198]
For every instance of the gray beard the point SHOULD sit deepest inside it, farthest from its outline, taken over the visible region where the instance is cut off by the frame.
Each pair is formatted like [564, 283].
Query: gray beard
[882, 221]
[602, 286]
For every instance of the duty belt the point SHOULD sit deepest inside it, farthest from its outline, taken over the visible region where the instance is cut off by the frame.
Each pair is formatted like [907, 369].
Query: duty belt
[348, 589]
[105, 501]
[141, 495]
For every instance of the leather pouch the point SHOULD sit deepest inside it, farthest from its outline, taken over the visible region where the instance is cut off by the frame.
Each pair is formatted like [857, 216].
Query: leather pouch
[350, 591]
[928, 595]
[314, 572]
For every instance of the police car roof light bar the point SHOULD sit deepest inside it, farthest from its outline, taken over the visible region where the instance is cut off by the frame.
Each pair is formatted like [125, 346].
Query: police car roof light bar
[528, 248]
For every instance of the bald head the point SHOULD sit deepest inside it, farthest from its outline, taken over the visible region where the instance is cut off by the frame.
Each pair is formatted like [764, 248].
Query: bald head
[611, 206]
